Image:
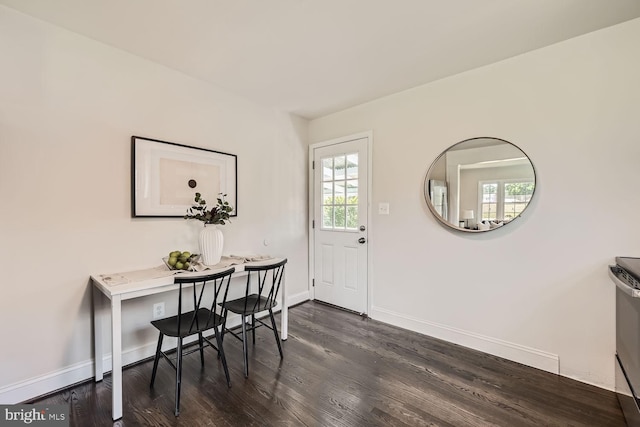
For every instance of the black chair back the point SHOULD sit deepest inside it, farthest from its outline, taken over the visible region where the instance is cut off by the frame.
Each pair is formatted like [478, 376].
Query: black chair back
[195, 288]
[268, 280]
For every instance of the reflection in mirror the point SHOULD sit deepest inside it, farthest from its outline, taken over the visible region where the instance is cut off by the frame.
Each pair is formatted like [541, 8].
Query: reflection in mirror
[480, 184]
[438, 194]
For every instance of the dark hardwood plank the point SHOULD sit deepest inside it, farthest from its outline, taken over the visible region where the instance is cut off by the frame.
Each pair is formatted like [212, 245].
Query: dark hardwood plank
[342, 370]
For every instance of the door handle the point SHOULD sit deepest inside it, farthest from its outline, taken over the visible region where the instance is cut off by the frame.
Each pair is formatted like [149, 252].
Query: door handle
[362, 240]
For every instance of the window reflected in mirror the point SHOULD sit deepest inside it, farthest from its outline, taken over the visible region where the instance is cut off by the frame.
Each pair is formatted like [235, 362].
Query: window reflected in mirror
[480, 184]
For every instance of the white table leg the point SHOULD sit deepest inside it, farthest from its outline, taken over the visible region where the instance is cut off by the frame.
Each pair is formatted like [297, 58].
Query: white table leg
[284, 327]
[116, 357]
[98, 315]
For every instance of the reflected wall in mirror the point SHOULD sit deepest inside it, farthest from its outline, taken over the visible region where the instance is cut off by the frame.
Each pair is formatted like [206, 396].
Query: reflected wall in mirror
[480, 184]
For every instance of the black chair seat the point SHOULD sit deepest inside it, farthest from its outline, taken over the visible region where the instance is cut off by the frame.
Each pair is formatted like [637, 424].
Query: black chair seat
[204, 320]
[249, 305]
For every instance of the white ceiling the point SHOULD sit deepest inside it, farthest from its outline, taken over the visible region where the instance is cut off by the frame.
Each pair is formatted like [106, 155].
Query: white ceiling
[315, 57]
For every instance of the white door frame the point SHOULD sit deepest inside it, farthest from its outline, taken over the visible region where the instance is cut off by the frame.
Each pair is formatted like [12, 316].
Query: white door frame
[312, 147]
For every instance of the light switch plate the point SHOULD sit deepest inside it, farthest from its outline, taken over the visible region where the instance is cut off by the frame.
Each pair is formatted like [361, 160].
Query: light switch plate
[383, 208]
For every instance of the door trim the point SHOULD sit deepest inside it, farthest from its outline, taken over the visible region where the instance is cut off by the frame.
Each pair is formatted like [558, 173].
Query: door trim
[311, 261]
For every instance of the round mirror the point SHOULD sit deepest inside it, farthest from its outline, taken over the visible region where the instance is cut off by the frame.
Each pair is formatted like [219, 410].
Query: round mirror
[480, 184]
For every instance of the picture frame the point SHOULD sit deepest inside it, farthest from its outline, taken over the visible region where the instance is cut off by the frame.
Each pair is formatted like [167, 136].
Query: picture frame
[166, 175]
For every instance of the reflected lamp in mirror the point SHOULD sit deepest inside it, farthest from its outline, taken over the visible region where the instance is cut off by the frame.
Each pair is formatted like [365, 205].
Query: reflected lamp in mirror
[492, 178]
[467, 214]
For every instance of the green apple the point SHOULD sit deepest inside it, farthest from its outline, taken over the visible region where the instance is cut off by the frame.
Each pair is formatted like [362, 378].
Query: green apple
[175, 254]
[172, 261]
[186, 254]
[185, 266]
[179, 265]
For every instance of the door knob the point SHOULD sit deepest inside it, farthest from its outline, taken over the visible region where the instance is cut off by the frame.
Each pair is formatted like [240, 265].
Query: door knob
[362, 228]
[362, 240]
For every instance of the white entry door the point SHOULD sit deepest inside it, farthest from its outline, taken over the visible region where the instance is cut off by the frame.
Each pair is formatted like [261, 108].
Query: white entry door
[340, 227]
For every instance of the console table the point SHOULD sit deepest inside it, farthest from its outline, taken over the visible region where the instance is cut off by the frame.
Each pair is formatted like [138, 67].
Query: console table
[119, 287]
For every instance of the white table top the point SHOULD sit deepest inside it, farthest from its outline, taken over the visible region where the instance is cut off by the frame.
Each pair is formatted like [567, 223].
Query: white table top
[132, 282]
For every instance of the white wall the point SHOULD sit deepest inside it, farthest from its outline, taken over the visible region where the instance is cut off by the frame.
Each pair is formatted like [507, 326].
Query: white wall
[537, 290]
[68, 108]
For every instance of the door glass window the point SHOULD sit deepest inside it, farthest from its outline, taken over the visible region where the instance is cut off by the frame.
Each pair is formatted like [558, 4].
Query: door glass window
[340, 192]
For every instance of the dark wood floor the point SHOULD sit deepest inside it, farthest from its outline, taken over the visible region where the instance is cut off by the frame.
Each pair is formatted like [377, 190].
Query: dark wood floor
[342, 370]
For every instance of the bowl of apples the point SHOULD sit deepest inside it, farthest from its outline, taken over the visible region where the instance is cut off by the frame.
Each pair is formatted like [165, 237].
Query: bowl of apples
[181, 260]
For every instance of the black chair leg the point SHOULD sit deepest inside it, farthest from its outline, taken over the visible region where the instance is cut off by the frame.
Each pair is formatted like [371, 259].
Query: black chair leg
[201, 342]
[244, 347]
[275, 332]
[155, 361]
[223, 329]
[178, 375]
[224, 323]
[222, 356]
[253, 328]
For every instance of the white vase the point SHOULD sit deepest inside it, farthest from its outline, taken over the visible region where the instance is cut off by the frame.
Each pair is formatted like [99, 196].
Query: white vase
[211, 243]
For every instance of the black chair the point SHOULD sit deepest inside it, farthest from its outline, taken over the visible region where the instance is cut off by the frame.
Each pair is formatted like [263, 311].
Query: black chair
[208, 292]
[268, 278]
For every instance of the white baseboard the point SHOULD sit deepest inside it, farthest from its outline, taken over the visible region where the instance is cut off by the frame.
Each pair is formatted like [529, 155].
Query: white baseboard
[37, 386]
[515, 352]
[47, 383]
[298, 298]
